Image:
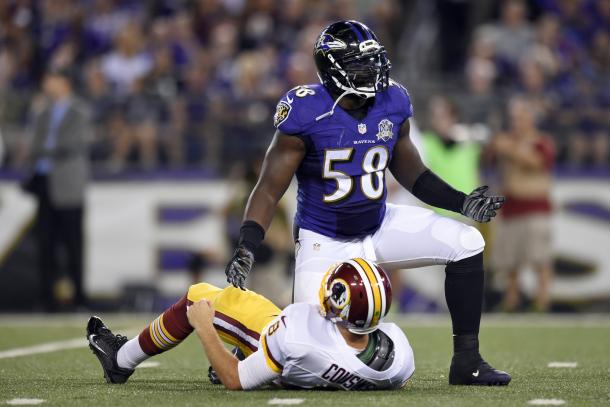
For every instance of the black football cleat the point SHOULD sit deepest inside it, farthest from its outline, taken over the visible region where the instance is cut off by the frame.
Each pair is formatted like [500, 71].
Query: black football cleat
[476, 372]
[213, 376]
[105, 345]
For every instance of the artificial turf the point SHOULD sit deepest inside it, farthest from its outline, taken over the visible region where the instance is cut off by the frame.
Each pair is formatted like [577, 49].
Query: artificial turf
[523, 346]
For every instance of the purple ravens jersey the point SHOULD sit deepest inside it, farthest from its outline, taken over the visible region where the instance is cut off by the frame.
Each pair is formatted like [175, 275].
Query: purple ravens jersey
[341, 180]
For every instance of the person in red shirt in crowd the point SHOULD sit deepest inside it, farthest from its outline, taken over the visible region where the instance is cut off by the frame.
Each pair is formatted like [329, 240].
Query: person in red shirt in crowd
[525, 157]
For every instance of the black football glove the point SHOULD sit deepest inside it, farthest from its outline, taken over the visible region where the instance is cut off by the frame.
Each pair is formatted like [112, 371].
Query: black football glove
[481, 207]
[240, 265]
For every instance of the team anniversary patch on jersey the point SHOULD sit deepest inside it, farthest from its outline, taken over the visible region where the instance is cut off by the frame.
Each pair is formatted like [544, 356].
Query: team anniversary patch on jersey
[385, 130]
[281, 112]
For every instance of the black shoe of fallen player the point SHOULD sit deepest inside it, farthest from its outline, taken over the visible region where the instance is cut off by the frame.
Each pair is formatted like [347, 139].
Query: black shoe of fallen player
[475, 371]
[105, 345]
[213, 376]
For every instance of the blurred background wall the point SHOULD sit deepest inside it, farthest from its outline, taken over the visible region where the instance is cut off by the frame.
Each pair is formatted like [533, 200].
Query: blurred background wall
[179, 97]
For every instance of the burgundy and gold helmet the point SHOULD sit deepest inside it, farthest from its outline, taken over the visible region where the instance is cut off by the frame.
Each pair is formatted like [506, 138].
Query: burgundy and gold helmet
[356, 294]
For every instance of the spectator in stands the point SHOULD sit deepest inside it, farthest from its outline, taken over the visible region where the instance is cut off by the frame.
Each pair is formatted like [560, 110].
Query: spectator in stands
[577, 149]
[576, 20]
[525, 158]
[162, 43]
[17, 71]
[450, 149]
[142, 116]
[194, 137]
[58, 173]
[600, 148]
[106, 20]
[511, 35]
[545, 50]
[101, 104]
[248, 109]
[481, 103]
[533, 86]
[128, 62]
[600, 58]
[583, 111]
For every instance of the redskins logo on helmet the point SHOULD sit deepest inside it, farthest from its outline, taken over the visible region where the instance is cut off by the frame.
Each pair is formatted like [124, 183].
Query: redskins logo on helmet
[356, 294]
[339, 294]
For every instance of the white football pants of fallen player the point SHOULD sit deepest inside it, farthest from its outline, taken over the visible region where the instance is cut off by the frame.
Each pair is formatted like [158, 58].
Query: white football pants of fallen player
[409, 236]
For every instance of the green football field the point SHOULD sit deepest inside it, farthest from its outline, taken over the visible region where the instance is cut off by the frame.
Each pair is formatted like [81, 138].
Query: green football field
[67, 374]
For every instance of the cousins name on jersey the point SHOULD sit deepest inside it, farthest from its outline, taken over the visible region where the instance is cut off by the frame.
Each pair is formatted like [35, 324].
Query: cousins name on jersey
[345, 378]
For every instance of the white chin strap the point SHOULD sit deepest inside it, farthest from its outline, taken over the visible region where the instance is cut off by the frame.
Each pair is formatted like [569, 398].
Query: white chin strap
[367, 92]
[363, 331]
[348, 91]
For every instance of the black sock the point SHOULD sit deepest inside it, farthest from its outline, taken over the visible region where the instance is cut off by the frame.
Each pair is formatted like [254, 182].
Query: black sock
[464, 294]
[465, 344]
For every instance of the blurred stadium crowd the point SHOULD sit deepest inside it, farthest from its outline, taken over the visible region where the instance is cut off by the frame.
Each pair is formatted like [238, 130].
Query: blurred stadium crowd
[180, 83]
[168, 83]
[507, 88]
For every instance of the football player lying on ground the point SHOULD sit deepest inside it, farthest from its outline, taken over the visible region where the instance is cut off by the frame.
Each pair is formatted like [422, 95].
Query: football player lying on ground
[339, 137]
[339, 343]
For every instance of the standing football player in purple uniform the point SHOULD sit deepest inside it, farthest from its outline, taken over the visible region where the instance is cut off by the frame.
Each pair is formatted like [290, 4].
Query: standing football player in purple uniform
[339, 137]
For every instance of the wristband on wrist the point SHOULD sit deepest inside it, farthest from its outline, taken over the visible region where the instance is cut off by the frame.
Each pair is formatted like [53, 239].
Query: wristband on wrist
[251, 234]
[431, 189]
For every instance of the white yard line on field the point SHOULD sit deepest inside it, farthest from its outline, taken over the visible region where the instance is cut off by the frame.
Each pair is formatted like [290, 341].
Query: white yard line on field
[563, 365]
[24, 402]
[148, 364]
[285, 402]
[546, 402]
[36, 320]
[46, 347]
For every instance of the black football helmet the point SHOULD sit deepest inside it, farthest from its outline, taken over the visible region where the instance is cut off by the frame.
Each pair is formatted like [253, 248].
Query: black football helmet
[350, 59]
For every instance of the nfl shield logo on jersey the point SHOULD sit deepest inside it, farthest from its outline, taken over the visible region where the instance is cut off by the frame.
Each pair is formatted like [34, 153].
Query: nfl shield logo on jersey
[362, 128]
[385, 130]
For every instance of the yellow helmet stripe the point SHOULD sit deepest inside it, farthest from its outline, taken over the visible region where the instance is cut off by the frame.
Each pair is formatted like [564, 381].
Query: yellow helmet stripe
[368, 289]
[374, 287]
[384, 303]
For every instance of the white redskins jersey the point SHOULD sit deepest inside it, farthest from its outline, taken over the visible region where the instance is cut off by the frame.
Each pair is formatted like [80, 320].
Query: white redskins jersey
[305, 350]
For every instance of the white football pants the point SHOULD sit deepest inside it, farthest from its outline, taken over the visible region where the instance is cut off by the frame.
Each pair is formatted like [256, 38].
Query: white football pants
[409, 237]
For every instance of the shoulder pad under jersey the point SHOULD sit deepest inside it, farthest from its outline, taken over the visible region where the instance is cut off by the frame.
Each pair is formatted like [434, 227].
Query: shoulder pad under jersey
[399, 99]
